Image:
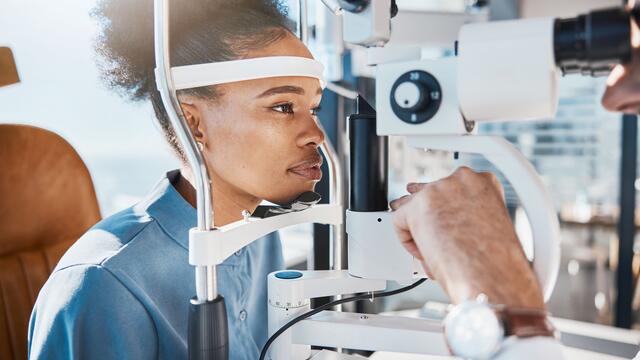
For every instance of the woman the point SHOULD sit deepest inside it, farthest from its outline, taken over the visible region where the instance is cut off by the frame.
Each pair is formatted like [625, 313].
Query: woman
[122, 291]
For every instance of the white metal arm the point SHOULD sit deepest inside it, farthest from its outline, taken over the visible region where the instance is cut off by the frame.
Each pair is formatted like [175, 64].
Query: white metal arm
[372, 332]
[213, 247]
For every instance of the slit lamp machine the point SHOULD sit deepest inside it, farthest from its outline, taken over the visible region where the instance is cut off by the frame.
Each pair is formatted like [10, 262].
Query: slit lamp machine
[433, 103]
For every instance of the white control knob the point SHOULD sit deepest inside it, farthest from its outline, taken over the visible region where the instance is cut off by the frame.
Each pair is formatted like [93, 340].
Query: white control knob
[410, 95]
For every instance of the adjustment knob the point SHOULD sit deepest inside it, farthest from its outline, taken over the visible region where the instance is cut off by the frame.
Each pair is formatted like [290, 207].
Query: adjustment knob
[411, 96]
[415, 97]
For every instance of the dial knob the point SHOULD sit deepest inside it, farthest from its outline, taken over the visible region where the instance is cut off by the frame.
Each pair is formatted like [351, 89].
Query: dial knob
[415, 97]
[411, 96]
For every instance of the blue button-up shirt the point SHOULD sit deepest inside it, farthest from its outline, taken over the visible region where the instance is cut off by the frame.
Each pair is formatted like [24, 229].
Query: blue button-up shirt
[122, 290]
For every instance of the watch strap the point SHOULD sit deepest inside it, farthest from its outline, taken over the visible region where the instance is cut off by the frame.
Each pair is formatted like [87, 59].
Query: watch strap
[525, 323]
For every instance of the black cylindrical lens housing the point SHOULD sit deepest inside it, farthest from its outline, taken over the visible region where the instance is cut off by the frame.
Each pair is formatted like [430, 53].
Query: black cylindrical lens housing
[591, 44]
[368, 178]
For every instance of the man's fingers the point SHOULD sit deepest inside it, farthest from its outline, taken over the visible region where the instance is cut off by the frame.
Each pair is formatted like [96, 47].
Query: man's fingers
[412, 188]
[415, 187]
[404, 234]
[428, 271]
[412, 248]
[397, 203]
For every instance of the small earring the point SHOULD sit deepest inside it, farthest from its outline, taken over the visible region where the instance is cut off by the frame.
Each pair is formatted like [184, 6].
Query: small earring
[200, 146]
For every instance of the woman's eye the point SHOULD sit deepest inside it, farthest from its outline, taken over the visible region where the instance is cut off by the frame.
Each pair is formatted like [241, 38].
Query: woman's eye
[284, 108]
[315, 110]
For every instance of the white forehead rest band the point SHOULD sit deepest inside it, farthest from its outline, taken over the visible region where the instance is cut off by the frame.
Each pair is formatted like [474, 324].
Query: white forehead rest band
[193, 76]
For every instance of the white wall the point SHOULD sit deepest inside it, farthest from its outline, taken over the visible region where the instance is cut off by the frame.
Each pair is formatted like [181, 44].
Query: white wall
[562, 8]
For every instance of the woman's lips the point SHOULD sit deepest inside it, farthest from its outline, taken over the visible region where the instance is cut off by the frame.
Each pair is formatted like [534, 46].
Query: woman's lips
[310, 173]
[309, 169]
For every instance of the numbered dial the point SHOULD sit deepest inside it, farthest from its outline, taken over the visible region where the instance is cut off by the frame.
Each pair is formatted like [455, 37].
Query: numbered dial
[416, 97]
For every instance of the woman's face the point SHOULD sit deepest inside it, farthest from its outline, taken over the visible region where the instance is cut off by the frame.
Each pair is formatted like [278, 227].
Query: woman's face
[261, 137]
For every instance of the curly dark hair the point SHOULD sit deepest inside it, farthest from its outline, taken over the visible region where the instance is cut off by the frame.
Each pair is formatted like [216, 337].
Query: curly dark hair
[201, 31]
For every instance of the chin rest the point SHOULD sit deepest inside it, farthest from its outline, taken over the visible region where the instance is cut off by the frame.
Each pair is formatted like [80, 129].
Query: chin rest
[304, 201]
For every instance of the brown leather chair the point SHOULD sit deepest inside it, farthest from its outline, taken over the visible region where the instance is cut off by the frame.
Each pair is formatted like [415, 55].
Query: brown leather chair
[8, 71]
[47, 201]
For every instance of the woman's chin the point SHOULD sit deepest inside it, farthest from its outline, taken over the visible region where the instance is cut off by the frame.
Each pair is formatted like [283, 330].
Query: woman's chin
[301, 183]
[301, 189]
[310, 187]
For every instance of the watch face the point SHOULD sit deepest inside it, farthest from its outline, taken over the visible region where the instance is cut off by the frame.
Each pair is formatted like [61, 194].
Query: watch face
[473, 331]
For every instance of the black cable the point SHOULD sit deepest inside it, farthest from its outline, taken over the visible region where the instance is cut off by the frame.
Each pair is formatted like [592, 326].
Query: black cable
[310, 313]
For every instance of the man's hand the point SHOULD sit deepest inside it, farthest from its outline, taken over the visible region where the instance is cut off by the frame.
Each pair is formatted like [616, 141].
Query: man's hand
[623, 84]
[460, 228]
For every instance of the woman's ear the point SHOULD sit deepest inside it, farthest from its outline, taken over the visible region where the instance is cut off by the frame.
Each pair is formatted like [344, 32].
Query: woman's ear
[193, 116]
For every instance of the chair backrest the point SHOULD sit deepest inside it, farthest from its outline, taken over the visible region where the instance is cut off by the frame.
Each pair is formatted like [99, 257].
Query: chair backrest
[47, 201]
[8, 71]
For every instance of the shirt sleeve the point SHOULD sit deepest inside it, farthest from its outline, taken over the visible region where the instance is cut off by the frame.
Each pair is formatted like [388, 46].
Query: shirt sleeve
[531, 349]
[85, 312]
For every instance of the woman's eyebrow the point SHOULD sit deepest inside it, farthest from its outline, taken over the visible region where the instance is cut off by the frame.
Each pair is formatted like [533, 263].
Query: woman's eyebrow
[287, 89]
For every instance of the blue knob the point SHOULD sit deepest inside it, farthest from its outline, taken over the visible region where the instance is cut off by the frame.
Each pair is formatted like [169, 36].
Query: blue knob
[288, 275]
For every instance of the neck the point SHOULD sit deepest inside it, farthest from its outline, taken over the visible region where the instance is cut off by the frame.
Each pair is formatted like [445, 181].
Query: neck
[228, 201]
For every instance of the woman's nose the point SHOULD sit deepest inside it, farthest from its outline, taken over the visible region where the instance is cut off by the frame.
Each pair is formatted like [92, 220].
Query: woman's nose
[312, 134]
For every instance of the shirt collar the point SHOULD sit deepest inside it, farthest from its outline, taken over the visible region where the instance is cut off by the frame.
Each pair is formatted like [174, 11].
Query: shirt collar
[172, 212]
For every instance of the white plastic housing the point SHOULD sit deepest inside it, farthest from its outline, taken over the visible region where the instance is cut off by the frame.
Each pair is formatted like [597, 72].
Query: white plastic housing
[371, 27]
[289, 298]
[375, 251]
[332, 355]
[372, 332]
[447, 121]
[287, 293]
[212, 247]
[284, 348]
[507, 71]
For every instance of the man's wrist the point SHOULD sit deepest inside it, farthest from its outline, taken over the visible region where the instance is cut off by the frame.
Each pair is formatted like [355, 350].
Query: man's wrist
[533, 300]
[525, 294]
[525, 322]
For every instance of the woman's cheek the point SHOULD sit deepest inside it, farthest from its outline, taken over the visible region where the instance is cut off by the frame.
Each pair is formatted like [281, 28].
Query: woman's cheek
[278, 141]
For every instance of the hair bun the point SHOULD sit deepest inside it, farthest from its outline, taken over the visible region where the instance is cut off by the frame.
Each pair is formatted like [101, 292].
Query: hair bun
[201, 31]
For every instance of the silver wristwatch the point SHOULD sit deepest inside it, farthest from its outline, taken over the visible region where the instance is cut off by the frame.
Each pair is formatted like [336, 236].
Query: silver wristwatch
[476, 329]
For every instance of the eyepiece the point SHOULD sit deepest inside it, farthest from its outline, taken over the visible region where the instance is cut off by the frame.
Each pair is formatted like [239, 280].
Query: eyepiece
[593, 43]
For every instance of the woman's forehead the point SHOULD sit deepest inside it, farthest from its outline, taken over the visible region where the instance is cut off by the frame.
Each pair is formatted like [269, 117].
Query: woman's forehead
[261, 88]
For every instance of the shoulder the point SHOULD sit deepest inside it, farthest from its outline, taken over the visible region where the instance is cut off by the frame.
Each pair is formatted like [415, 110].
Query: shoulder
[80, 295]
[69, 288]
[83, 306]
[107, 238]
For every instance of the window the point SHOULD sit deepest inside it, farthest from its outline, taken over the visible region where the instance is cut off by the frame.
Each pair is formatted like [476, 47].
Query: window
[60, 90]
